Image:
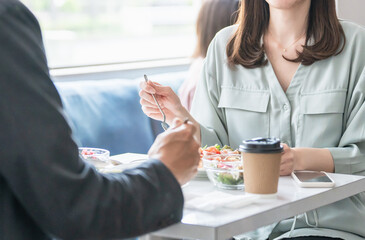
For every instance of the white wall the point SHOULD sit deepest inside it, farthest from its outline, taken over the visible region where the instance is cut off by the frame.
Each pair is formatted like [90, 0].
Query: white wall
[353, 10]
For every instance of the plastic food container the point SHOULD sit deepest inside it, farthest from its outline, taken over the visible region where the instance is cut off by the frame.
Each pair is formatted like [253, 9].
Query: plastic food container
[225, 171]
[96, 156]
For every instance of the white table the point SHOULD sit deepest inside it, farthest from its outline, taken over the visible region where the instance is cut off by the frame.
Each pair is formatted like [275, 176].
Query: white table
[224, 223]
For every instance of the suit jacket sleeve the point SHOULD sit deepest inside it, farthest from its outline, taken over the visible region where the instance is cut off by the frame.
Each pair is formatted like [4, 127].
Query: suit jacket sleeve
[39, 160]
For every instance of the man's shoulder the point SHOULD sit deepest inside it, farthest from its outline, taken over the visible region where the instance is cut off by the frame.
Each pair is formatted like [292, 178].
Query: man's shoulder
[7, 5]
[15, 9]
[14, 14]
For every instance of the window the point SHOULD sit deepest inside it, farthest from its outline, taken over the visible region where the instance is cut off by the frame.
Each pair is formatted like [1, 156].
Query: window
[94, 32]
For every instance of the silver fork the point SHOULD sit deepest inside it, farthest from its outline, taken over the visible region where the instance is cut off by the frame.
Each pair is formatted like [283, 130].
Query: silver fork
[164, 125]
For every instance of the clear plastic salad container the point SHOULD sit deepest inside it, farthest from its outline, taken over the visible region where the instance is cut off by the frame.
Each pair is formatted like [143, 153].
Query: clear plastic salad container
[224, 170]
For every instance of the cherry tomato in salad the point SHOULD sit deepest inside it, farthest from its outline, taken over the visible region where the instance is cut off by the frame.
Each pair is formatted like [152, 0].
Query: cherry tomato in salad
[212, 149]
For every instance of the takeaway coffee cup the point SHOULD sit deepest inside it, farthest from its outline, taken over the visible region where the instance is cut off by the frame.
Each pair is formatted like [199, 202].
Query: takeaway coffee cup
[261, 162]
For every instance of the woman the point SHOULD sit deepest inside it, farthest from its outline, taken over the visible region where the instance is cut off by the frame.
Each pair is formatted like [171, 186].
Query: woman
[213, 16]
[290, 69]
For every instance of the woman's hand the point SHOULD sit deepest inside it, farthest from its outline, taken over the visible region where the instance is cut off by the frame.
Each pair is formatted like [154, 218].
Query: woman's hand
[312, 159]
[166, 97]
[169, 102]
[288, 160]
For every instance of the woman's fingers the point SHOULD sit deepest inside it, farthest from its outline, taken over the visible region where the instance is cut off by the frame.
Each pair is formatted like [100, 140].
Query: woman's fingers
[153, 115]
[156, 83]
[287, 161]
[153, 110]
[163, 90]
[167, 99]
[146, 103]
[155, 88]
[286, 167]
[148, 100]
[148, 87]
[151, 103]
[146, 96]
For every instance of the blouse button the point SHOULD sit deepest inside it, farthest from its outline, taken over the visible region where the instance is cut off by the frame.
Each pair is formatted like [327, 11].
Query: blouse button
[285, 107]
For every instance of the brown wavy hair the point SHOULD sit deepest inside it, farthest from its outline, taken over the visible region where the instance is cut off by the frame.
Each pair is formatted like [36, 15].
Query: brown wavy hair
[213, 16]
[245, 47]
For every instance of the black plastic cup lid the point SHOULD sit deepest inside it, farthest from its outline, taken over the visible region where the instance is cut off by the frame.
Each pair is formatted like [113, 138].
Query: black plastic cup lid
[261, 145]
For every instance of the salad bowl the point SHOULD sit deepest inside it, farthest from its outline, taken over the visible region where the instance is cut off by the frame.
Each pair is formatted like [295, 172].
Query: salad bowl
[223, 167]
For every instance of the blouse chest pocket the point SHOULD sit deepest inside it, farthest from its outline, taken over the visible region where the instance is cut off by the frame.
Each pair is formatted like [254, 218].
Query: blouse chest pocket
[246, 113]
[321, 118]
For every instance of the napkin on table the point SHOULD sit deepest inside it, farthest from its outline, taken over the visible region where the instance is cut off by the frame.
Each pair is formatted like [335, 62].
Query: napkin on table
[124, 161]
[217, 199]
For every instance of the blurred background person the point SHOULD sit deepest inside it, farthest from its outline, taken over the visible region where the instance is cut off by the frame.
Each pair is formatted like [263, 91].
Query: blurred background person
[214, 15]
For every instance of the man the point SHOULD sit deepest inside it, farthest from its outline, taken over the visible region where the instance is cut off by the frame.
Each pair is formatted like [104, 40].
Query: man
[46, 191]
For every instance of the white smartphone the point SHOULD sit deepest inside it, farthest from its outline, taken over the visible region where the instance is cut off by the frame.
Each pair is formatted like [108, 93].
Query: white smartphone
[313, 179]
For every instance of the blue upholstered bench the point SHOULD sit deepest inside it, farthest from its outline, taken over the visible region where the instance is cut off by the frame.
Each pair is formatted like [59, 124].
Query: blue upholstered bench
[107, 113]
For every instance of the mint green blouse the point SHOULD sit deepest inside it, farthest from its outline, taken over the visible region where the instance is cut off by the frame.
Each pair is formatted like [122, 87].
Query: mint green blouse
[323, 107]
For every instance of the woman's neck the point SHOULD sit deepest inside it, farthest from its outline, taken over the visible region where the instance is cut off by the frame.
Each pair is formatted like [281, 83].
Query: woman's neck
[289, 24]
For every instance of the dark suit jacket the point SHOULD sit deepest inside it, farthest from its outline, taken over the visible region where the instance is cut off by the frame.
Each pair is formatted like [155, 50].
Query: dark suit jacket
[45, 189]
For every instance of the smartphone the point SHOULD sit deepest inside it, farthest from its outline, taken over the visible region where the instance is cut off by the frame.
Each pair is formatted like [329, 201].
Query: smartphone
[313, 179]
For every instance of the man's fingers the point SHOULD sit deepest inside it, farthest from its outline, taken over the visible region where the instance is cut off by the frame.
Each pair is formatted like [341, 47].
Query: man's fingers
[176, 122]
[196, 146]
[184, 132]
